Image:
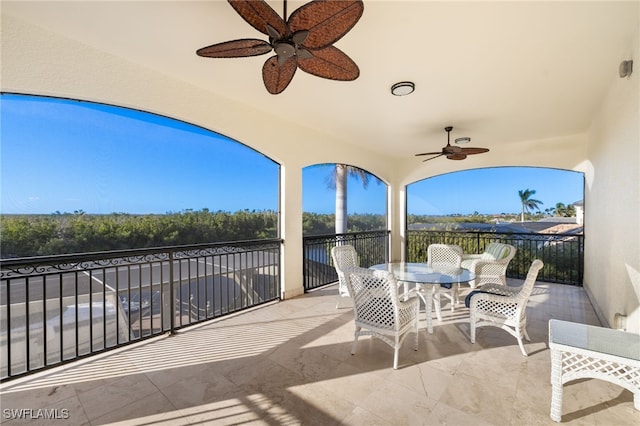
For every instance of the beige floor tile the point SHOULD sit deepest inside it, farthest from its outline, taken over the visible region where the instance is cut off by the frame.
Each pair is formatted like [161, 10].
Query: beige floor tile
[290, 363]
[323, 398]
[352, 384]
[422, 379]
[443, 414]
[489, 400]
[361, 416]
[36, 396]
[67, 412]
[155, 403]
[115, 395]
[398, 405]
[209, 386]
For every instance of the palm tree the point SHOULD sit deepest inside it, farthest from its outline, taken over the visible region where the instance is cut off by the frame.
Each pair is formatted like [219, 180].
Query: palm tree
[565, 211]
[561, 209]
[338, 180]
[528, 203]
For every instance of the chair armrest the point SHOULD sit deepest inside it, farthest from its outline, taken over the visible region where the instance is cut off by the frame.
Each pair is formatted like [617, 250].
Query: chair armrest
[409, 308]
[475, 261]
[471, 257]
[468, 264]
[504, 261]
[500, 290]
[493, 298]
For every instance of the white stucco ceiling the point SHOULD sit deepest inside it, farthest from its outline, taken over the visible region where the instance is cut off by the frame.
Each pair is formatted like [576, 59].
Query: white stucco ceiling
[499, 72]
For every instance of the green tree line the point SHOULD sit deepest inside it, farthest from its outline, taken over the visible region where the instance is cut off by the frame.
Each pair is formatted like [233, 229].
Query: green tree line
[78, 232]
[61, 233]
[322, 224]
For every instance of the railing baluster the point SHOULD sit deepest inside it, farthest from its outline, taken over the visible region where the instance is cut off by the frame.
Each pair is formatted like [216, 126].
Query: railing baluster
[172, 291]
[27, 328]
[76, 329]
[9, 342]
[45, 349]
[104, 308]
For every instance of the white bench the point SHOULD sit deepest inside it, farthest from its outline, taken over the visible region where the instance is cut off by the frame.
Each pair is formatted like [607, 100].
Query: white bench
[581, 351]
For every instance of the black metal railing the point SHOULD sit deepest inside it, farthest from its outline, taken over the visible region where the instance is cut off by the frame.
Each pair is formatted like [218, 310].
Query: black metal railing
[57, 309]
[372, 248]
[562, 254]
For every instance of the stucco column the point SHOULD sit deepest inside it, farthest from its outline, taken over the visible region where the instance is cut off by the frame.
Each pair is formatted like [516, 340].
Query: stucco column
[397, 218]
[292, 257]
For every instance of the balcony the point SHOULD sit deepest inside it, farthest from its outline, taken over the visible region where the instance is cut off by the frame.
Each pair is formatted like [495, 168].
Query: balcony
[499, 75]
[290, 363]
[531, 102]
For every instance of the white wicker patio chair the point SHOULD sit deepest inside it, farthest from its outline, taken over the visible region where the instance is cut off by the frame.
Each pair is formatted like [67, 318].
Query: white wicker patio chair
[491, 265]
[343, 257]
[379, 310]
[445, 257]
[502, 306]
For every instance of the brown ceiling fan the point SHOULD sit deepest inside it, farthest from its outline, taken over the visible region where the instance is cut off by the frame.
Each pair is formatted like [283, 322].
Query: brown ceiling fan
[304, 40]
[453, 152]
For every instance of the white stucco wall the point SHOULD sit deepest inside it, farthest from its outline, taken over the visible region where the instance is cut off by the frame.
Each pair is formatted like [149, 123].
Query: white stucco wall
[612, 200]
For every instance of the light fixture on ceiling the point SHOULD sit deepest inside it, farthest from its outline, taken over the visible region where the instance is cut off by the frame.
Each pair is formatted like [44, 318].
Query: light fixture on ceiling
[403, 88]
[625, 69]
[464, 140]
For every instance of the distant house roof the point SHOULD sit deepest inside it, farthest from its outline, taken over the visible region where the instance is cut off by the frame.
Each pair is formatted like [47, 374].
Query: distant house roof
[555, 220]
[554, 225]
[551, 225]
[469, 226]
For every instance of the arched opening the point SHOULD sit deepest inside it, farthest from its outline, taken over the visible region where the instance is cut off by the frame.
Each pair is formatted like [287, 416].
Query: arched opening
[120, 225]
[342, 204]
[539, 210]
[92, 177]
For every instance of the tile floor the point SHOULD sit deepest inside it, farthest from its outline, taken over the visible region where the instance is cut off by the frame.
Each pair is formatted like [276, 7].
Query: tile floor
[290, 364]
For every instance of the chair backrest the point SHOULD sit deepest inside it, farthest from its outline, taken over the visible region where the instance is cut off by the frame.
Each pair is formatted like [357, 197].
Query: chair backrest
[444, 256]
[499, 251]
[375, 297]
[527, 287]
[344, 257]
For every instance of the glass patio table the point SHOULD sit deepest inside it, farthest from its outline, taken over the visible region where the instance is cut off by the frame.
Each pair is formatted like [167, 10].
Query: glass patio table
[422, 275]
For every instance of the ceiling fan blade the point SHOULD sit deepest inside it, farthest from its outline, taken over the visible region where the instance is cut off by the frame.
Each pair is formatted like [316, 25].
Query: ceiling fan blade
[236, 49]
[258, 13]
[456, 156]
[277, 76]
[429, 153]
[469, 151]
[439, 155]
[331, 63]
[326, 21]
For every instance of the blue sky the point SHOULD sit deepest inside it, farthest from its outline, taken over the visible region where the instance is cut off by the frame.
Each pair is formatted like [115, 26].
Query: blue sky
[493, 190]
[61, 155]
